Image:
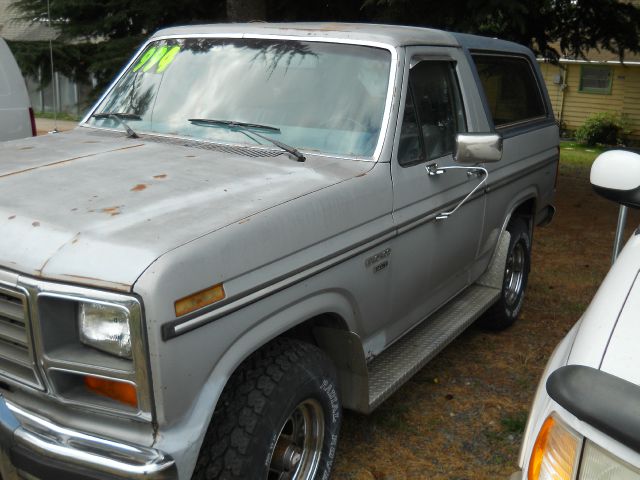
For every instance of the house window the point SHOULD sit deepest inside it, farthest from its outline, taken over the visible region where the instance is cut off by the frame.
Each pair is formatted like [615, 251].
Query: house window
[595, 79]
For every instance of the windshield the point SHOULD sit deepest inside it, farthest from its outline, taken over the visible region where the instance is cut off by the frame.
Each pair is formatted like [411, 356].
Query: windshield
[323, 97]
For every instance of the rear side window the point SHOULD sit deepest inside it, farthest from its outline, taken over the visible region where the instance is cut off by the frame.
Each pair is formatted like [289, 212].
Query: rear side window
[511, 89]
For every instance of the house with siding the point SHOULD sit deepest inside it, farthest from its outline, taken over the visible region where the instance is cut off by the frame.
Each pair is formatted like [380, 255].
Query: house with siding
[601, 83]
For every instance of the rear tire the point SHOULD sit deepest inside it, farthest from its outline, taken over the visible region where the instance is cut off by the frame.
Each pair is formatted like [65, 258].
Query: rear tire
[506, 310]
[278, 418]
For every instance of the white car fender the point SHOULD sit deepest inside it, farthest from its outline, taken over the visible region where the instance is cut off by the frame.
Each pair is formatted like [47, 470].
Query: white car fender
[541, 400]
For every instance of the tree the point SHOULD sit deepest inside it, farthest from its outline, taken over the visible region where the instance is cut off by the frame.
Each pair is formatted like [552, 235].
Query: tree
[549, 27]
[97, 37]
[246, 10]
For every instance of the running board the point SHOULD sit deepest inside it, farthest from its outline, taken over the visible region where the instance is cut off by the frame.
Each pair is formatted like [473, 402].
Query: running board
[392, 368]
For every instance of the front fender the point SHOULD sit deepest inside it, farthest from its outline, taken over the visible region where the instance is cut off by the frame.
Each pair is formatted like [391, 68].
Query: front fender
[183, 436]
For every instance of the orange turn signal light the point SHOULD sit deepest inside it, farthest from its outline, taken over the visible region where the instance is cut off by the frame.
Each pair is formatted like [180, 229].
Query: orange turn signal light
[199, 299]
[554, 452]
[537, 455]
[120, 391]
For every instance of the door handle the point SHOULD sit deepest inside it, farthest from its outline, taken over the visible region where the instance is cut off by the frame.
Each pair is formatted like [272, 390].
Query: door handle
[433, 169]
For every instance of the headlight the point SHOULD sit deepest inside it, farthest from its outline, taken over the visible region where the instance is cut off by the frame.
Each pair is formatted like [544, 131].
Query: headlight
[106, 328]
[556, 456]
[597, 464]
[92, 349]
[554, 453]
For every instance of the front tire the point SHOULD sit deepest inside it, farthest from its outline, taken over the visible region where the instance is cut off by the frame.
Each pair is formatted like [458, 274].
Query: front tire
[277, 419]
[506, 310]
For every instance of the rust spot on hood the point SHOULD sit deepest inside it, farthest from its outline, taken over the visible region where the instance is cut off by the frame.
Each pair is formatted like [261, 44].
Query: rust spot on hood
[112, 210]
[25, 148]
[161, 176]
[139, 187]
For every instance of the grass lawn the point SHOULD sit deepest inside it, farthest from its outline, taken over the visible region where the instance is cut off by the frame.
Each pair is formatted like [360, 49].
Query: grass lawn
[60, 116]
[576, 155]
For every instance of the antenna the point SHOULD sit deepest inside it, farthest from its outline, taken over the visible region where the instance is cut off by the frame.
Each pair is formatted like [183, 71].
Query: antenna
[53, 78]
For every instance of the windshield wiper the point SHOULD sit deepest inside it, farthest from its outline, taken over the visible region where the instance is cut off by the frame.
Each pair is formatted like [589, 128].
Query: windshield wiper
[120, 118]
[251, 128]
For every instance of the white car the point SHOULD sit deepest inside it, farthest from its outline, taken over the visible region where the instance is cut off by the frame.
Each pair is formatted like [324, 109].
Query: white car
[16, 114]
[585, 419]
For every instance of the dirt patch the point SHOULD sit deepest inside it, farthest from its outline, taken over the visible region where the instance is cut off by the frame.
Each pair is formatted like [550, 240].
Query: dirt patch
[462, 416]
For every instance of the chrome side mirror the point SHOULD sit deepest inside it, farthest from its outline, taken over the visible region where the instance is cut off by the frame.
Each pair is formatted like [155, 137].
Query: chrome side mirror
[615, 175]
[474, 148]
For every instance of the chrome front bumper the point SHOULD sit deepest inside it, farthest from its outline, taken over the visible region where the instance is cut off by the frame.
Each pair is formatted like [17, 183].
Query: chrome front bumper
[33, 445]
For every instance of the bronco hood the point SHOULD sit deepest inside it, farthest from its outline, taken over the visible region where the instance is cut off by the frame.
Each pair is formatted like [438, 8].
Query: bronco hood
[98, 208]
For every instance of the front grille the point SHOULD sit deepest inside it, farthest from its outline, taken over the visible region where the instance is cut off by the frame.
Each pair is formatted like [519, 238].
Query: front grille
[16, 353]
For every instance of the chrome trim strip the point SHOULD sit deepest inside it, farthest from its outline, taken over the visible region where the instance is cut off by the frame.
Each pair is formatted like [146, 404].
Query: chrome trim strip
[393, 70]
[38, 435]
[207, 315]
[591, 62]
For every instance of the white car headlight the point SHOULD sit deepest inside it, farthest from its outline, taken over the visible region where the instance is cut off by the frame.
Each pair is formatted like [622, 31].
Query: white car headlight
[105, 327]
[597, 464]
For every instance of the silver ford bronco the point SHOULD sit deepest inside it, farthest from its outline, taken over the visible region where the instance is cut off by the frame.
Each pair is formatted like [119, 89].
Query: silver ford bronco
[255, 227]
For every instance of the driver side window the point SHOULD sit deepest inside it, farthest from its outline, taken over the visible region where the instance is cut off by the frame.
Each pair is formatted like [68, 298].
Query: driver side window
[433, 113]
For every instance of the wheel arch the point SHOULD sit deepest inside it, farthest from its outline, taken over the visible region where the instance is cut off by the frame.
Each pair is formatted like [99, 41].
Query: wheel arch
[524, 206]
[322, 320]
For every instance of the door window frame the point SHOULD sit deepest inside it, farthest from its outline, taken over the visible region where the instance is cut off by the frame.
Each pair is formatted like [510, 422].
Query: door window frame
[459, 103]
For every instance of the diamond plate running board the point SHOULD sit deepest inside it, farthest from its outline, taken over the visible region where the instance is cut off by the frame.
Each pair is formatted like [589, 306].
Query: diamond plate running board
[404, 358]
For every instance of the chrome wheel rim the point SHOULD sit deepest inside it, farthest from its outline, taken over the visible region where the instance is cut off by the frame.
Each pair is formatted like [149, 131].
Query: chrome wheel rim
[514, 275]
[298, 447]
